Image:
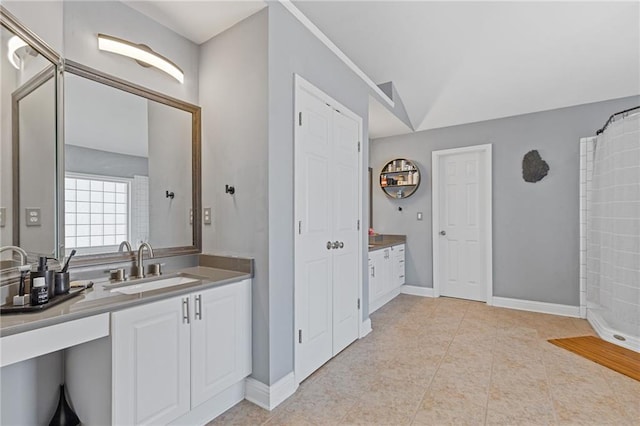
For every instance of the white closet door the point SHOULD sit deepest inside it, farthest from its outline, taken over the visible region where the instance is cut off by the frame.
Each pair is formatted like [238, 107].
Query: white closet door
[345, 231]
[313, 271]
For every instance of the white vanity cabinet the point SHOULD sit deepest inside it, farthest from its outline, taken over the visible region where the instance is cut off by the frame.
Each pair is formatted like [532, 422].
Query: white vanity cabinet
[220, 340]
[386, 275]
[151, 367]
[180, 360]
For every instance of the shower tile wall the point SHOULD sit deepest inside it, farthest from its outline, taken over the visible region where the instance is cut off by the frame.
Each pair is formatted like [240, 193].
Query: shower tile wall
[614, 252]
[586, 171]
[140, 210]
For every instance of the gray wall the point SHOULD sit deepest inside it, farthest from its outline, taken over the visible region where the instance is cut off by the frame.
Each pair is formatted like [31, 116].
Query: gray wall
[293, 49]
[83, 20]
[38, 167]
[29, 390]
[233, 96]
[247, 98]
[79, 159]
[170, 162]
[535, 226]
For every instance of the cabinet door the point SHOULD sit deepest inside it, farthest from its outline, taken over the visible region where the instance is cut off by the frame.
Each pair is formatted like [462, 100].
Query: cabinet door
[386, 274]
[372, 278]
[150, 360]
[381, 273]
[220, 339]
[398, 265]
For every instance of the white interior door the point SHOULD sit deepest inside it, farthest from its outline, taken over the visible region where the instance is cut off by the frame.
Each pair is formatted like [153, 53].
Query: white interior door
[345, 231]
[313, 270]
[327, 246]
[462, 210]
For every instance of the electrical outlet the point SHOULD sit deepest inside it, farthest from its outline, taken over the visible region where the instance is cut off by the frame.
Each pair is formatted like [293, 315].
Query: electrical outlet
[3, 217]
[419, 216]
[32, 217]
[207, 216]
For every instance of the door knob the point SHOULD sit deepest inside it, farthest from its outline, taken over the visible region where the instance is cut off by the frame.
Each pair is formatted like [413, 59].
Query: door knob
[443, 233]
[335, 245]
[341, 244]
[328, 245]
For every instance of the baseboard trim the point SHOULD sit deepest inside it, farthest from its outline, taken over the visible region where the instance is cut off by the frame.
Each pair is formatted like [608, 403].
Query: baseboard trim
[534, 306]
[606, 333]
[414, 290]
[208, 410]
[269, 397]
[365, 328]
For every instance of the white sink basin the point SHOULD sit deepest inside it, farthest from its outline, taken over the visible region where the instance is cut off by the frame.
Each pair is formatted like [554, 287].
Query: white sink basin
[154, 285]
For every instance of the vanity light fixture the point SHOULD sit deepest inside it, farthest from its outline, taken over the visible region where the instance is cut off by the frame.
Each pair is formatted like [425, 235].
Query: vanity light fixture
[144, 55]
[14, 44]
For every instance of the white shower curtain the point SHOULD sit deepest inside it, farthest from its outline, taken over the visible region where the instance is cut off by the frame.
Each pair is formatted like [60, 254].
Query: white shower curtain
[613, 228]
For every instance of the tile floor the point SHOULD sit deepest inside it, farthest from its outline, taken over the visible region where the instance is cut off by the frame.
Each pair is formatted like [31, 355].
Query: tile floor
[449, 361]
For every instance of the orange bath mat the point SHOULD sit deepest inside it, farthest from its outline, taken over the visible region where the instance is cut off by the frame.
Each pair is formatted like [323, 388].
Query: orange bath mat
[612, 356]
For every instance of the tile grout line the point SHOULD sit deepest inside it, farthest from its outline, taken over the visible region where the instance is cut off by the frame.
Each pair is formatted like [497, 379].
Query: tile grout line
[493, 361]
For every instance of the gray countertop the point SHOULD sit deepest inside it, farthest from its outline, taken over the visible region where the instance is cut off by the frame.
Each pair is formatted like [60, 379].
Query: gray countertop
[99, 300]
[382, 241]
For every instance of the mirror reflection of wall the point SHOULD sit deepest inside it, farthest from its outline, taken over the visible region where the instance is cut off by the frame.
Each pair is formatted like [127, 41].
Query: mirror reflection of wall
[28, 80]
[122, 154]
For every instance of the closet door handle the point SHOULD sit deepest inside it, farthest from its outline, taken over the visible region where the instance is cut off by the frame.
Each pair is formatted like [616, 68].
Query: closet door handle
[341, 244]
[329, 245]
[335, 245]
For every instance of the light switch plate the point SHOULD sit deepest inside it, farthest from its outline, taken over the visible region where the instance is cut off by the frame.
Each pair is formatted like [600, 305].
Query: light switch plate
[32, 217]
[3, 217]
[419, 216]
[207, 216]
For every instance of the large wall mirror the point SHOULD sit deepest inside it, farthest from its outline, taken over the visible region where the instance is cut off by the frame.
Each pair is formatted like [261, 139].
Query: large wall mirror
[131, 168]
[29, 142]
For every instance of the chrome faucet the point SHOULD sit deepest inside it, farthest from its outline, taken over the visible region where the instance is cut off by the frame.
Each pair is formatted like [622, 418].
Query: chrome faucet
[140, 260]
[124, 244]
[21, 252]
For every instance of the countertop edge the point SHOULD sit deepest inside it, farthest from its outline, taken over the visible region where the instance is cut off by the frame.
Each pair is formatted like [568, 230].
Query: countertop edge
[115, 306]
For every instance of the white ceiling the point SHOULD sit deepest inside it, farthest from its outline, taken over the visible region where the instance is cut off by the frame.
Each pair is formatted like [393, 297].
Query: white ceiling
[460, 62]
[197, 21]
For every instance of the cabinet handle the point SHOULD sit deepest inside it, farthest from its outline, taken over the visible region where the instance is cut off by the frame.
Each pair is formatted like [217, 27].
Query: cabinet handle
[373, 271]
[199, 307]
[185, 310]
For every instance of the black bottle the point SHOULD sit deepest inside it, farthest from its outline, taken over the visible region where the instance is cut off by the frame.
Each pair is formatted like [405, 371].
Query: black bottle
[43, 271]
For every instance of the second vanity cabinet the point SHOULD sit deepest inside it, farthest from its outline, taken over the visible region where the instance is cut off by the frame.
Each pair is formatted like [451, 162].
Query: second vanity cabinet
[386, 275]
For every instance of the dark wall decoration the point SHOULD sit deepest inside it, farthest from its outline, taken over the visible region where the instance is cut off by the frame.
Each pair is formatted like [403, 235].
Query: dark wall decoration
[534, 168]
